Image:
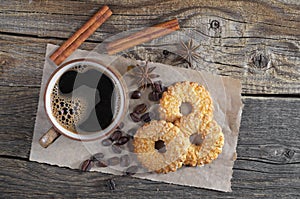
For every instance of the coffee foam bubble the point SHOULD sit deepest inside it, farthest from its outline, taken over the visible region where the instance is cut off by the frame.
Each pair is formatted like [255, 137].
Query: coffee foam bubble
[80, 68]
[67, 110]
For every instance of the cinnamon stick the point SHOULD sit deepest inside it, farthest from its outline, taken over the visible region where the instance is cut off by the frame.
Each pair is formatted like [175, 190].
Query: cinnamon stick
[142, 36]
[81, 35]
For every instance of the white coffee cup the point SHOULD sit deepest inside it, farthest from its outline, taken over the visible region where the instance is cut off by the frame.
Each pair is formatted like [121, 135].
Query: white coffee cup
[57, 129]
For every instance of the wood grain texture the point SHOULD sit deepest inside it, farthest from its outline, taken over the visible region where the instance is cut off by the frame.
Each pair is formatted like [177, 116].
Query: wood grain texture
[268, 160]
[255, 41]
[18, 106]
[251, 179]
[277, 123]
[22, 60]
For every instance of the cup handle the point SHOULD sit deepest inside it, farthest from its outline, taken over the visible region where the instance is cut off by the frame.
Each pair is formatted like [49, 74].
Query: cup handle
[49, 137]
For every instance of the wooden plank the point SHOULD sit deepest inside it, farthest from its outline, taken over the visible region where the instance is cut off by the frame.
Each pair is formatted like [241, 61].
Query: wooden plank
[18, 106]
[22, 61]
[255, 41]
[35, 179]
[269, 129]
[58, 18]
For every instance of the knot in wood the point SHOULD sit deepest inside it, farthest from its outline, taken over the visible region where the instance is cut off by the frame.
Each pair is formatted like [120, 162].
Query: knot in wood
[166, 53]
[214, 24]
[289, 153]
[260, 61]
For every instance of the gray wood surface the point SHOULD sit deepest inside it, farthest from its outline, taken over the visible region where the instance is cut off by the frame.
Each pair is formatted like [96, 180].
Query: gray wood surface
[267, 165]
[257, 42]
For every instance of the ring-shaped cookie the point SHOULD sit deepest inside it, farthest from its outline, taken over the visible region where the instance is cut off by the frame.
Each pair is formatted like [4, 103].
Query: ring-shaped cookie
[186, 92]
[211, 145]
[176, 145]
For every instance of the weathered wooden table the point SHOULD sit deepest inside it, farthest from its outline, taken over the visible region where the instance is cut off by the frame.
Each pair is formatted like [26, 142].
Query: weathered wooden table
[255, 41]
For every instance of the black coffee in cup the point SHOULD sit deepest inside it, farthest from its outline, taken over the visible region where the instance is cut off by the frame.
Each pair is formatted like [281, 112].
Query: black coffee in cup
[84, 99]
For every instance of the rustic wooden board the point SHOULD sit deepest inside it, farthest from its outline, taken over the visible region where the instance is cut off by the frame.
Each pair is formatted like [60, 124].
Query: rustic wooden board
[268, 163]
[22, 61]
[255, 41]
[57, 18]
[18, 106]
[251, 179]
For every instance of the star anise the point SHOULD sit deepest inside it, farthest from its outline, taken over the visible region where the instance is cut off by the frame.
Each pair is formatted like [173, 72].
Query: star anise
[187, 51]
[144, 75]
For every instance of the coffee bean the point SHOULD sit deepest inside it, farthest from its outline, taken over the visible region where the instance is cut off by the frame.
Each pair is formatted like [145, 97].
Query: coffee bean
[113, 161]
[135, 117]
[136, 94]
[131, 170]
[97, 156]
[116, 135]
[147, 117]
[124, 161]
[121, 125]
[86, 165]
[123, 140]
[111, 184]
[147, 120]
[164, 88]
[130, 146]
[141, 108]
[116, 149]
[157, 87]
[101, 163]
[106, 142]
[160, 95]
[153, 96]
[149, 85]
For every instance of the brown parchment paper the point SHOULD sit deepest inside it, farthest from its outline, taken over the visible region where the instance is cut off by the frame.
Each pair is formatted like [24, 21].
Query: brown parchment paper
[225, 91]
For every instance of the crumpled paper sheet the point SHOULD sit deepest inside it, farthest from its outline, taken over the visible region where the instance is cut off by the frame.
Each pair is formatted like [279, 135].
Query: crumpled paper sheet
[225, 91]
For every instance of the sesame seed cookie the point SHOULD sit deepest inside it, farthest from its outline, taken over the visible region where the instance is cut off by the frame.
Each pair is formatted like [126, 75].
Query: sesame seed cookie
[174, 151]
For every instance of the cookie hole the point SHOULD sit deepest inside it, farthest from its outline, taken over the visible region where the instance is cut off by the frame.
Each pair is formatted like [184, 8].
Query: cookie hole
[186, 108]
[160, 146]
[196, 139]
